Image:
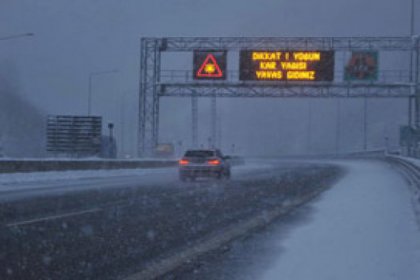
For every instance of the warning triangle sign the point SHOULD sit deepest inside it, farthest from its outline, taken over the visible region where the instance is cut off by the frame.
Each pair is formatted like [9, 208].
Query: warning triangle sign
[210, 68]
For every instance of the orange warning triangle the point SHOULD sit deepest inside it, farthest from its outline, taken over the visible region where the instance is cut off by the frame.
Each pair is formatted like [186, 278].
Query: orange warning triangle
[210, 68]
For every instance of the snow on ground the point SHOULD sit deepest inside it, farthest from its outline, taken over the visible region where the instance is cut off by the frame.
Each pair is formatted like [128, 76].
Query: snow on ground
[363, 228]
[27, 177]
[414, 161]
[60, 179]
[21, 185]
[83, 159]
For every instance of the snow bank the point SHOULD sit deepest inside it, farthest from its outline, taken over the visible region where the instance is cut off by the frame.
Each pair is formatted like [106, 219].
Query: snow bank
[363, 228]
[13, 178]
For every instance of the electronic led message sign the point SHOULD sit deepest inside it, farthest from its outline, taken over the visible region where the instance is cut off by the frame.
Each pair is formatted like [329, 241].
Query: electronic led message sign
[209, 65]
[284, 65]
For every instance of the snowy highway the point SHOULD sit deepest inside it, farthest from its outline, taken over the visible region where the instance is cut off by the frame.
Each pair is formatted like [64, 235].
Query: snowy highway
[356, 222]
[210, 140]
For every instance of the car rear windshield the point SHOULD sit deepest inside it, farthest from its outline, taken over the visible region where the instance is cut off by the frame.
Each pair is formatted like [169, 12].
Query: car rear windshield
[203, 153]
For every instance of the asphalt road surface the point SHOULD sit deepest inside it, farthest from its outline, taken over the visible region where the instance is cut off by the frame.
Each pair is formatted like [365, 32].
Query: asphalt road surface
[114, 228]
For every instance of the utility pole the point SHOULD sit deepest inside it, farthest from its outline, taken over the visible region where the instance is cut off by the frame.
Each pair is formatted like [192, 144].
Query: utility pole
[10, 37]
[123, 113]
[416, 89]
[337, 128]
[412, 69]
[365, 123]
[309, 128]
[413, 96]
[122, 149]
[412, 22]
[5, 38]
[91, 75]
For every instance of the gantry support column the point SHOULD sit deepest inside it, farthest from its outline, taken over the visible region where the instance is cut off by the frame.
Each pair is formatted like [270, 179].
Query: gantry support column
[194, 121]
[213, 122]
[150, 57]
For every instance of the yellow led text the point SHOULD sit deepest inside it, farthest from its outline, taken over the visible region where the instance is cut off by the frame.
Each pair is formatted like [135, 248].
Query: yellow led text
[266, 56]
[268, 65]
[269, 75]
[307, 56]
[301, 75]
[294, 65]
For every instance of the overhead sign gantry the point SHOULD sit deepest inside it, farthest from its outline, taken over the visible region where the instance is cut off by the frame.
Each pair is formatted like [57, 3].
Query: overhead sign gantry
[275, 67]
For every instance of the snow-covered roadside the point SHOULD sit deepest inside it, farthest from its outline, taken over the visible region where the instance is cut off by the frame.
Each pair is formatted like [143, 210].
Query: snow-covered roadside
[83, 159]
[414, 161]
[23, 185]
[28, 177]
[363, 228]
[415, 187]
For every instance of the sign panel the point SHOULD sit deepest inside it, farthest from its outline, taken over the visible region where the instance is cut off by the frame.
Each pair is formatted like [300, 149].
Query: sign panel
[209, 65]
[362, 66]
[74, 135]
[286, 65]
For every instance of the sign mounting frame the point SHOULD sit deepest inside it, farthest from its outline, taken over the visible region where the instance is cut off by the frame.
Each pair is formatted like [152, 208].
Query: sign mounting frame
[153, 87]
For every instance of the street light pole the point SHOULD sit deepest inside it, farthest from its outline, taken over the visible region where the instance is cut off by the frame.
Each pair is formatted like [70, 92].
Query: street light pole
[309, 128]
[411, 54]
[413, 98]
[412, 18]
[337, 128]
[365, 144]
[412, 22]
[16, 36]
[122, 117]
[91, 75]
[11, 37]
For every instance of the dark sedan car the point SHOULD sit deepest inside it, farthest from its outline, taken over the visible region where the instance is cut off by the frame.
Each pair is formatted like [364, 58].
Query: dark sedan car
[204, 163]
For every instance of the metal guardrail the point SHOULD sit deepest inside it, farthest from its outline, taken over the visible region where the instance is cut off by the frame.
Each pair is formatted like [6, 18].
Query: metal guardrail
[365, 154]
[411, 170]
[412, 173]
[12, 166]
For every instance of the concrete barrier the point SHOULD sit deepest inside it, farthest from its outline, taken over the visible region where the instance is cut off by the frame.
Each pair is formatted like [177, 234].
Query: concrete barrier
[411, 171]
[409, 168]
[11, 166]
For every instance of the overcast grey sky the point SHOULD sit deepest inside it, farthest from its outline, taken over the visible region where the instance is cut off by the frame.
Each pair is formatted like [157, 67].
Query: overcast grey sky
[74, 38]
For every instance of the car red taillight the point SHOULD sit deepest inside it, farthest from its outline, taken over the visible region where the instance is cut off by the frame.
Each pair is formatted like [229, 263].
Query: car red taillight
[214, 162]
[183, 162]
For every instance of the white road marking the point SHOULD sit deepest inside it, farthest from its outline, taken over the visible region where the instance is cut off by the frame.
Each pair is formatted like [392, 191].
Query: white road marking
[22, 223]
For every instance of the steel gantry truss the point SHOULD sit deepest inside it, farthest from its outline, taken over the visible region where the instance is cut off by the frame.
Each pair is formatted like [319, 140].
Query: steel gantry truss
[154, 84]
